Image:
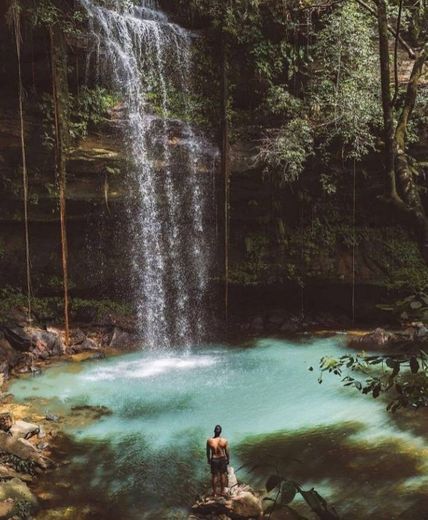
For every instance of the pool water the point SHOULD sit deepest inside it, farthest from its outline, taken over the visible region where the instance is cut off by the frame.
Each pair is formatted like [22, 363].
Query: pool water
[146, 458]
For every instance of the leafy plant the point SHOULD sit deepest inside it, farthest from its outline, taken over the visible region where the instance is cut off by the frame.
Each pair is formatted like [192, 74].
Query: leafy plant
[414, 307]
[403, 378]
[286, 490]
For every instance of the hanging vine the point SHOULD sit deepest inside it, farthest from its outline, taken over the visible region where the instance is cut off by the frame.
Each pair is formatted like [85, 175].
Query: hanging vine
[225, 164]
[14, 18]
[59, 81]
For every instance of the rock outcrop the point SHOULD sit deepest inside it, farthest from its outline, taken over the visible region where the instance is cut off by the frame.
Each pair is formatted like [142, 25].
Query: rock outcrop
[240, 503]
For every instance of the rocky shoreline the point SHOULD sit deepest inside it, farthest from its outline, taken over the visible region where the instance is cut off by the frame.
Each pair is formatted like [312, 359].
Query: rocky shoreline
[29, 437]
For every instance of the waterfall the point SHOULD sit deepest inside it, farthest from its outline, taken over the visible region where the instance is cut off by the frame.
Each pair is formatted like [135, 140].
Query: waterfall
[149, 62]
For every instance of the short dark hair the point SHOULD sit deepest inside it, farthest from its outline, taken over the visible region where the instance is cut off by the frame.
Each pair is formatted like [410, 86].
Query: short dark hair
[217, 429]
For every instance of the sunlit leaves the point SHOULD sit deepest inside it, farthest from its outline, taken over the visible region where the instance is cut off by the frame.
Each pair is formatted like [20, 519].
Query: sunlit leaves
[345, 86]
[402, 378]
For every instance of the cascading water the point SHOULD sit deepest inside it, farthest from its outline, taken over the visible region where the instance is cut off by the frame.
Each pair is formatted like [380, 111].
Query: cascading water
[149, 60]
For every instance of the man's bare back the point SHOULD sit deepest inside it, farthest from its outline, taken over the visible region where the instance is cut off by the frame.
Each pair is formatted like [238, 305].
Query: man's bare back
[218, 459]
[218, 447]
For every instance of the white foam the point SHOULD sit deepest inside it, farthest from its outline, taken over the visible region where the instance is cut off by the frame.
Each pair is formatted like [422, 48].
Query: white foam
[142, 369]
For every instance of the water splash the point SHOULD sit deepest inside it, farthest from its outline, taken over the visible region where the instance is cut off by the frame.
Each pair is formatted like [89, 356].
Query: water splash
[149, 60]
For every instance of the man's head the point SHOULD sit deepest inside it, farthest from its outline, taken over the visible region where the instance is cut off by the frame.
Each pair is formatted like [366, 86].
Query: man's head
[217, 431]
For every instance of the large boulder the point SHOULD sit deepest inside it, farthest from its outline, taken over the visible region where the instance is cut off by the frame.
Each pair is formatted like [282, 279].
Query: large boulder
[246, 505]
[46, 344]
[81, 343]
[17, 337]
[124, 340]
[241, 503]
[24, 430]
[376, 339]
[22, 449]
[17, 490]
[7, 353]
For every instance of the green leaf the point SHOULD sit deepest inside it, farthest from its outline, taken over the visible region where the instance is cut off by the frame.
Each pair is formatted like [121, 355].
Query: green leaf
[288, 492]
[273, 481]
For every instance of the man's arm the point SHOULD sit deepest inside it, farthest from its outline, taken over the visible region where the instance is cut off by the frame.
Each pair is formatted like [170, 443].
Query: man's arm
[208, 452]
[227, 450]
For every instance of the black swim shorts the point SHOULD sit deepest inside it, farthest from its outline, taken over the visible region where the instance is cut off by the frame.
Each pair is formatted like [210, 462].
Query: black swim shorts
[219, 465]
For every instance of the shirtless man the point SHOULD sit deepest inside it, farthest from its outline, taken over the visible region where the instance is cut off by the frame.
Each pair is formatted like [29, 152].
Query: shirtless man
[218, 458]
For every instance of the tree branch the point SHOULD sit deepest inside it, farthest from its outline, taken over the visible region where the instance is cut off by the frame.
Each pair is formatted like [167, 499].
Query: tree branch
[372, 10]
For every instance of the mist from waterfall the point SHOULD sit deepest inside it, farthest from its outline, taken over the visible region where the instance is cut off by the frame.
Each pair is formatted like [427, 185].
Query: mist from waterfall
[148, 60]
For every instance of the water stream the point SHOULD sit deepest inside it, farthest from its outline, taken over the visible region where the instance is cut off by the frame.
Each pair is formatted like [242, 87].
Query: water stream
[148, 60]
[147, 455]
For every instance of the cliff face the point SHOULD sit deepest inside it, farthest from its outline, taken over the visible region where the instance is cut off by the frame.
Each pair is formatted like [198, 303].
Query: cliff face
[279, 242]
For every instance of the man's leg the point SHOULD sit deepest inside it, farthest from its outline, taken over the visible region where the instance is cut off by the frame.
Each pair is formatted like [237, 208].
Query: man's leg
[223, 483]
[214, 483]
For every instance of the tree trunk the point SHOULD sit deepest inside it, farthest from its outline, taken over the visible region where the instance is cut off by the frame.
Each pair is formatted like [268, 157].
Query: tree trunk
[405, 178]
[406, 201]
[60, 97]
[388, 119]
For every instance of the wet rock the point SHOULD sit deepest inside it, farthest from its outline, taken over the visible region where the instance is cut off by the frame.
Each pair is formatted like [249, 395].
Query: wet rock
[241, 503]
[51, 417]
[258, 324]
[6, 508]
[46, 344]
[24, 430]
[124, 340]
[276, 319]
[8, 354]
[81, 343]
[246, 505]
[17, 490]
[7, 473]
[21, 448]
[6, 421]
[91, 412]
[377, 339]
[17, 338]
[25, 363]
[291, 325]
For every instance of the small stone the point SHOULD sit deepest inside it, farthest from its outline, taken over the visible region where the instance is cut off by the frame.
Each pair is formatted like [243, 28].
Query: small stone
[51, 417]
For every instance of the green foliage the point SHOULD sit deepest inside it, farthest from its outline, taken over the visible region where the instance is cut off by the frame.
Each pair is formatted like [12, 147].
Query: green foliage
[18, 464]
[45, 13]
[23, 510]
[286, 150]
[256, 265]
[87, 109]
[403, 378]
[51, 308]
[344, 96]
[286, 491]
[413, 307]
